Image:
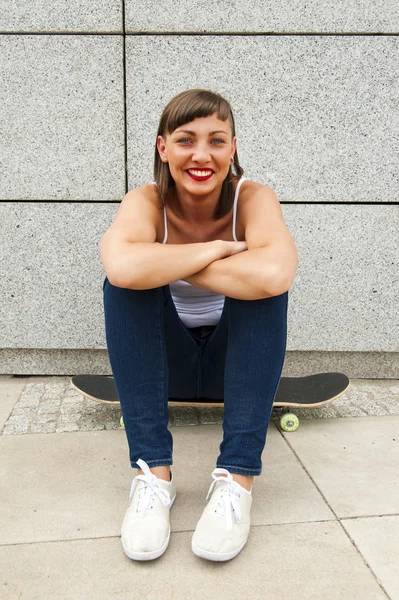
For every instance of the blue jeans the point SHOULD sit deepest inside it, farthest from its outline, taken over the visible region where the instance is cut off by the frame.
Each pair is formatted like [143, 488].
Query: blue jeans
[154, 356]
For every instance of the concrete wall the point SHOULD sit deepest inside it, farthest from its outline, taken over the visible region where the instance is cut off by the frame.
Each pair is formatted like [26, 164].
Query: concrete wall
[315, 88]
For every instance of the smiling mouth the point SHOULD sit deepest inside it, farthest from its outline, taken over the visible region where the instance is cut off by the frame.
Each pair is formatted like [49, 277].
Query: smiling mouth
[200, 174]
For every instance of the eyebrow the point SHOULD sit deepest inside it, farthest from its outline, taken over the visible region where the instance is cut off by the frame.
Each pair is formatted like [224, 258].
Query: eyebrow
[193, 133]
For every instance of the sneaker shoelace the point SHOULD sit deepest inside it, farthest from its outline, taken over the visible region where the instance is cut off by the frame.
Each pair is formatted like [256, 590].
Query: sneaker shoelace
[229, 497]
[150, 489]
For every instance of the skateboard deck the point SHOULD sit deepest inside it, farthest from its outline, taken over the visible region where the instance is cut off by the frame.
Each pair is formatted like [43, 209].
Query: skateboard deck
[293, 392]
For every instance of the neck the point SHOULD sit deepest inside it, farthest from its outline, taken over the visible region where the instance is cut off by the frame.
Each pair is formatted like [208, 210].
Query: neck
[194, 208]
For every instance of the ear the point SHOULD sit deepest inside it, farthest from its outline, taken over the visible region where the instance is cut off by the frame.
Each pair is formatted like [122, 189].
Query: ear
[233, 146]
[161, 145]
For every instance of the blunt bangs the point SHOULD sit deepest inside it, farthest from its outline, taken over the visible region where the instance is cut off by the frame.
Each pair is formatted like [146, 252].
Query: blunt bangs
[194, 104]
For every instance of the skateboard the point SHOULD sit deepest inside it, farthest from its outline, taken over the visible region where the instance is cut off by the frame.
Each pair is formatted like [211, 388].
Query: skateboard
[293, 392]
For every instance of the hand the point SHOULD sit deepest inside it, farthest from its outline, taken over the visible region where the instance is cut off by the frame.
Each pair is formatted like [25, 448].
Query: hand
[235, 247]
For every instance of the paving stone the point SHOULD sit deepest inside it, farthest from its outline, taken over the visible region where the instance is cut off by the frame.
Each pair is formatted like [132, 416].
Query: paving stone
[184, 415]
[66, 426]
[17, 425]
[368, 407]
[391, 408]
[70, 391]
[92, 425]
[43, 427]
[53, 387]
[49, 406]
[113, 425]
[346, 409]
[73, 401]
[29, 400]
[69, 409]
[25, 410]
[52, 400]
[324, 412]
[209, 416]
[96, 409]
[44, 418]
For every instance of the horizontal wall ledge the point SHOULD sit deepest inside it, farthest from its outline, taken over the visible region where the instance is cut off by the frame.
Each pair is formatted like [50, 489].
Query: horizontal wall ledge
[365, 365]
[344, 297]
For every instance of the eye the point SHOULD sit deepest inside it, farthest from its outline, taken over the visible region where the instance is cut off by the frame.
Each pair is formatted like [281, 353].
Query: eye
[218, 141]
[184, 141]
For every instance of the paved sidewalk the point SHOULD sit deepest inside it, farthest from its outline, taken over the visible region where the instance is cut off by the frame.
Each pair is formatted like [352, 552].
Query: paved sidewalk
[52, 405]
[325, 517]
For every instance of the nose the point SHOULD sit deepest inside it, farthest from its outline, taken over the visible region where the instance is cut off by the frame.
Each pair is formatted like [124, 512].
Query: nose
[201, 153]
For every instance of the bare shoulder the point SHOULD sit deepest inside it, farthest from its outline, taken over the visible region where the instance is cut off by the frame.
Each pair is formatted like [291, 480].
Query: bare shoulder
[261, 216]
[147, 194]
[249, 189]
[256, 197]
[139, 215]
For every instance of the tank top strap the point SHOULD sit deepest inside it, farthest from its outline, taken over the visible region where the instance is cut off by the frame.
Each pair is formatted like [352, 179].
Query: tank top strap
[234, 213]
[165, 222]
[235, 207]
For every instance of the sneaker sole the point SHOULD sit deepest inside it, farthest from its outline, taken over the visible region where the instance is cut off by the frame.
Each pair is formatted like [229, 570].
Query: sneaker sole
[149, 555]
[216, 556]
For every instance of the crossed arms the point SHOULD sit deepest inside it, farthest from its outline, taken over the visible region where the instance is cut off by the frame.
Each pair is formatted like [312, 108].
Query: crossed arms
[262, 266]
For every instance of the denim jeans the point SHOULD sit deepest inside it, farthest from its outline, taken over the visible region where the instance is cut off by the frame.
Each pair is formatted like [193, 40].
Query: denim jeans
[154, 356]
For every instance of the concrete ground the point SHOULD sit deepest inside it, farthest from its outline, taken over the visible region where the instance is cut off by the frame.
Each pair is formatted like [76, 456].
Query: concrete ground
[325, 517]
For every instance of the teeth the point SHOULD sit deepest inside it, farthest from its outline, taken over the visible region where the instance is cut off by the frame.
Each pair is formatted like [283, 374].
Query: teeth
[200, 173]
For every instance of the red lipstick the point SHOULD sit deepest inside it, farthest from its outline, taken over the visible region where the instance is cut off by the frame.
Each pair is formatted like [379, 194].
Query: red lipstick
[200, 178]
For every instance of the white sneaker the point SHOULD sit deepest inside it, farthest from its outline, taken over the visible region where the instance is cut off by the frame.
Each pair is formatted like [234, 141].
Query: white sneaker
[145, 530]
[223, 528]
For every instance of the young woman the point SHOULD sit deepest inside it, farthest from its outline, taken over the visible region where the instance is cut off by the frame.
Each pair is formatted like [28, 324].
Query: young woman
[198, 265]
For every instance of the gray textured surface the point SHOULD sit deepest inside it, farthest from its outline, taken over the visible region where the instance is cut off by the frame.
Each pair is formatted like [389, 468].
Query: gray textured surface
[61, 15]
[341, 300]
[65, 496]
[52, 295]
[52, 405]
[61, 118]
[262, 16]
[346, 290]
[316, 116]
[357, 365]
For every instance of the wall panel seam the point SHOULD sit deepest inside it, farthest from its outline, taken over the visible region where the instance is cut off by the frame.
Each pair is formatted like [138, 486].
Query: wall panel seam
[203, 34]
[124, 69]
[259, 34]
[116, 201]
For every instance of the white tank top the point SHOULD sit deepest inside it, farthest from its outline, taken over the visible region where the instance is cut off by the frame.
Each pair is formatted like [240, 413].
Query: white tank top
[195, 306]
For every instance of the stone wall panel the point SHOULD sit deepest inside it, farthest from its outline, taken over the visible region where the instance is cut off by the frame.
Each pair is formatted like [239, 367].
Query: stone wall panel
[258, 16]
[61, 118]
[344, 297]
[316, 117]
[61, 16]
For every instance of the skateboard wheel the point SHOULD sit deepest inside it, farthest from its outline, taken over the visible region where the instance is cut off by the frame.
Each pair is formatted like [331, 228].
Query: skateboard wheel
[289, 422]
[122, 423]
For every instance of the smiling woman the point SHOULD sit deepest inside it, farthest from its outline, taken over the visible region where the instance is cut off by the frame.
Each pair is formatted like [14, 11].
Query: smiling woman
[188, 107]
[198, 271]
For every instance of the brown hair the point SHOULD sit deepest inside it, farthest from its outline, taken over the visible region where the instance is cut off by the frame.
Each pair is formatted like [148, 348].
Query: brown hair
[182, 109]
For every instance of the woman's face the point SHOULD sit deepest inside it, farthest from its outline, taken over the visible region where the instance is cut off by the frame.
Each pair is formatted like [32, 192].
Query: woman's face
[199, 154]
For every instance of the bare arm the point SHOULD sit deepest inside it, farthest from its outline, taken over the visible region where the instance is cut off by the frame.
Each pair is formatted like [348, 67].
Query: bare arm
[133, 259]
[268, 267]
[141, 266]
[250, 276]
